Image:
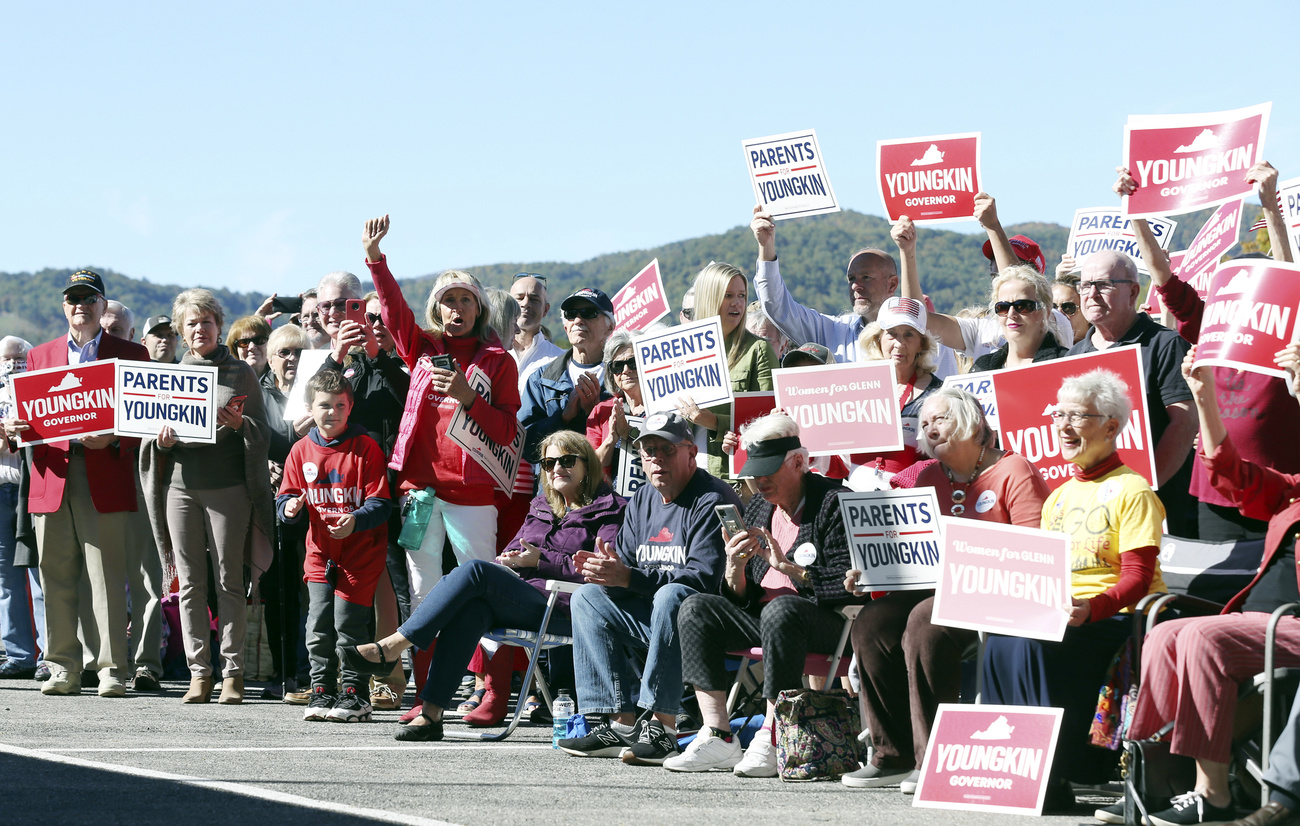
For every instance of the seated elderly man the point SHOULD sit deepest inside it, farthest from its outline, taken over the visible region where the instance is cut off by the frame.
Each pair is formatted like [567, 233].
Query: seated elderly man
[784, 576]
[670, 547]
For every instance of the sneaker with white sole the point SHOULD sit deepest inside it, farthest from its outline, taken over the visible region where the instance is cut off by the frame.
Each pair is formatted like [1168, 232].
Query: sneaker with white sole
[908, 784]
[651, 744]
[760, 757]
[707, 752]
[1114, 813]
[1192, 808]
[350, 707]
[871, 777]
[603, 741]
[318, 707]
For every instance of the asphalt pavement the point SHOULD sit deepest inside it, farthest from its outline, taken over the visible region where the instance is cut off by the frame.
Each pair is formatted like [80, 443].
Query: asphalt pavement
[149, 759]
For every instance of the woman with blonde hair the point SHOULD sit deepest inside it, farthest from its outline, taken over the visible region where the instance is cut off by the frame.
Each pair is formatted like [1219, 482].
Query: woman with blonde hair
[1022, 303]
[213, 499]
[447, 494]
[722, 290]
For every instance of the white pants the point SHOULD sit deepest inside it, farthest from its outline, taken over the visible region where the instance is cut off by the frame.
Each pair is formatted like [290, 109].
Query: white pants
[472, 530]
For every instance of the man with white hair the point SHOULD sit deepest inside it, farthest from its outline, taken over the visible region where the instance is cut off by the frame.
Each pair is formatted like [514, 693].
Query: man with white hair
[20, 587]
[783, 580]
[531, 348]
[1109, 288]
[118, 320]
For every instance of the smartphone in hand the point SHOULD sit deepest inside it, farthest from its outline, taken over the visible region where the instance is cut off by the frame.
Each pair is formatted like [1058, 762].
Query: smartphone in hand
[444, 362]
[730, 516]
[356, 311]
[287, 304]
[236, 404]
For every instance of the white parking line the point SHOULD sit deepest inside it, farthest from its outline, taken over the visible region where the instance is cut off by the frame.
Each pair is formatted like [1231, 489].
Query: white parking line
[438, 747]
[223, 786]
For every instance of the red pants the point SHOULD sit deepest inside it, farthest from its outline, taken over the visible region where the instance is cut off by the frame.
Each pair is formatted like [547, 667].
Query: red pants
[1191, 671]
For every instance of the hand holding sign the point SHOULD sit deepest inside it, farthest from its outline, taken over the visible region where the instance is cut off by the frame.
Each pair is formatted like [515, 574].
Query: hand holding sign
[851, 577]
[904, 234]
[167, 437]
[1079, 611]
[1265, 176]
[1288, 358]
[14, 427]
[764, 233]
[986, 211]
[98, 442]
[292, 506]
[1127, 184]
[343, 526]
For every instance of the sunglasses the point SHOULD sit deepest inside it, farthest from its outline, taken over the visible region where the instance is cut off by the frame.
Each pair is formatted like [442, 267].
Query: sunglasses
[688, 314]
[374, 318]
[338, 305]
[659, 453]
[586, 313]
[540, 278]
[619, 365]
[1024, 306]
[241, 343]
[1067, 307]
[284, 354]
[84, 300]
[568, 460]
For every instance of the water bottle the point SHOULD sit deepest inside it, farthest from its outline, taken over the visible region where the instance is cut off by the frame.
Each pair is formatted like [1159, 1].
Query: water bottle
[561, 710]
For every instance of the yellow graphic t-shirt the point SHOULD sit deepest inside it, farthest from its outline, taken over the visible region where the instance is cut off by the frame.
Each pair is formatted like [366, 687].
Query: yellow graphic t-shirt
[1105, 517]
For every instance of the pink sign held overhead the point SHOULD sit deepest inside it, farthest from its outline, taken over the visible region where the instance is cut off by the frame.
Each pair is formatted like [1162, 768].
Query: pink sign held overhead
[1027, 396]
[930, 180]
[60, 403]
[1250, 315]
[642, 301]
[1187, 162]
[989, 758]
[842, 408]
[745, 408]
[1218, 235]
[1003, 579]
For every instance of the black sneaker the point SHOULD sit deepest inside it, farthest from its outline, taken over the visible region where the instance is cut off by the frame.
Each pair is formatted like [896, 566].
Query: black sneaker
[1192, 808]
[1113, 813]
[602, 742]
[349, 707]
[318, 707]
[651, 744]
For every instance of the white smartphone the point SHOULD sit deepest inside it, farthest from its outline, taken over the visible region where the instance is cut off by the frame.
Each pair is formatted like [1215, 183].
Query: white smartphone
[730, 516]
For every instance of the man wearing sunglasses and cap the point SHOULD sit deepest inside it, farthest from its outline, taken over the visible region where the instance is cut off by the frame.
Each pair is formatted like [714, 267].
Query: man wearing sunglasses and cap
[669, 547]
[81, 492]
[561, 395]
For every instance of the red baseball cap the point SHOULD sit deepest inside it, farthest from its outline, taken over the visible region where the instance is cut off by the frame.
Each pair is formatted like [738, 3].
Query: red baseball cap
[1026, 250]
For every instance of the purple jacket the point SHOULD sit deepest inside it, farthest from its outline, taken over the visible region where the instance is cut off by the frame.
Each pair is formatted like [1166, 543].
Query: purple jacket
[577, 531]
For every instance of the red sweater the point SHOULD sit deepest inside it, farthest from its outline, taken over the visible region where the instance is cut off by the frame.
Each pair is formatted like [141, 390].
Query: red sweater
[423, 456]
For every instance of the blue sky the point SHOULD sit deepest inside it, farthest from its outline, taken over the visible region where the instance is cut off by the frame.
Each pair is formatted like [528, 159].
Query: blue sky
[242, 145]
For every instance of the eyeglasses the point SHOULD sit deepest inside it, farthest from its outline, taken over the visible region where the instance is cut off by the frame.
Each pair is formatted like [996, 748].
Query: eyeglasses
[241, 343]
[338, 305]
[1067, 307]
[1074, 419]
[568, 460]
[586, 313]
[374, 318]
[619, 365]
[1023, 306]
[307, 318]
[688, 313]
[289, 353]
[1102, 286]
[659, 453]
[84, 300]
[540, 278]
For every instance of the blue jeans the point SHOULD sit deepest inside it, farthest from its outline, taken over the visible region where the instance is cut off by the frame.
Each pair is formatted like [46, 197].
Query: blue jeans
[21, 636]
[464, 605]
[609, 621]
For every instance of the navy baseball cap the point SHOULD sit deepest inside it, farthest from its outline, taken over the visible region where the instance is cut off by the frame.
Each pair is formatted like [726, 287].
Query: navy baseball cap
[592, 295]
[668, 426]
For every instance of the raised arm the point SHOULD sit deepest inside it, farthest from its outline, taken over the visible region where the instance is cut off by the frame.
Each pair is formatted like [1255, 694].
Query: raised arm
[986, 212]
[1265, 176]
[1179, 297]
[396, 313]
[799, 323]
[944, 327]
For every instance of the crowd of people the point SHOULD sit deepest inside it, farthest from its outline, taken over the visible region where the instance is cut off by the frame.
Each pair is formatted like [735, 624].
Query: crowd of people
[336, 495]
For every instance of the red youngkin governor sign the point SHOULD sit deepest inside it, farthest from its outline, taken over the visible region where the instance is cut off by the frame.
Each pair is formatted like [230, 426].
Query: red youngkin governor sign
[930, 180]
[66, 402]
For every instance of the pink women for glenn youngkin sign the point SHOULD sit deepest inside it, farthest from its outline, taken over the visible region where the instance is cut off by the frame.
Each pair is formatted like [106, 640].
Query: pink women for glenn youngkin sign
[1188, 162]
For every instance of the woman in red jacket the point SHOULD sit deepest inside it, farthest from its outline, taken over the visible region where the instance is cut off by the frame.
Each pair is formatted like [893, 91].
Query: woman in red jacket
[440, 483]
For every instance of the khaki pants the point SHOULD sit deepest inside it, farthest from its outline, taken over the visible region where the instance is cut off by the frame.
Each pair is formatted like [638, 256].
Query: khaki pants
[78, 540]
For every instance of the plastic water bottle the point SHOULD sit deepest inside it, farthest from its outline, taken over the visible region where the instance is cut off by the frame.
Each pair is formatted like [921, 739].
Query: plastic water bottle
[561, 710]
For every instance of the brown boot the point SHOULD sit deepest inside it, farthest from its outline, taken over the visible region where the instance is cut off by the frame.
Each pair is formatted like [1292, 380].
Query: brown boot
[200, 690]
[232, 691]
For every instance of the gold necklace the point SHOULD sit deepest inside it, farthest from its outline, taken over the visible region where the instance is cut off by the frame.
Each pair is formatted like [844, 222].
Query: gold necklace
[959, 496]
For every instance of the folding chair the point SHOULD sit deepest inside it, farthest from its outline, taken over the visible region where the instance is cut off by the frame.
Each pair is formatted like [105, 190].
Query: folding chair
[834, 665]
[535, 642]
[1254, 755]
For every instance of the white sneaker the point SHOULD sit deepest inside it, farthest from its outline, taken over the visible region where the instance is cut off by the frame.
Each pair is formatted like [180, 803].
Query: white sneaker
[760, 757]
[908, 784]
[706, 753]
[870, 777]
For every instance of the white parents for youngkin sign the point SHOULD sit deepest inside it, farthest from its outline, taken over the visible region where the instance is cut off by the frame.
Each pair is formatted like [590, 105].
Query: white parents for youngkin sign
[842, 408]
[979, 385]
[501, 461]
[894, 537]
[1288, 192]
[1096, 229]
[151, 396]
[689, 361]
[789, 175]
[631, 475]
[642, 301]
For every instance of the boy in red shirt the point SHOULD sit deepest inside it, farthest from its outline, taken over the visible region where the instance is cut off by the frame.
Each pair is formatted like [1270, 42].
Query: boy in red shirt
[337, 474]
